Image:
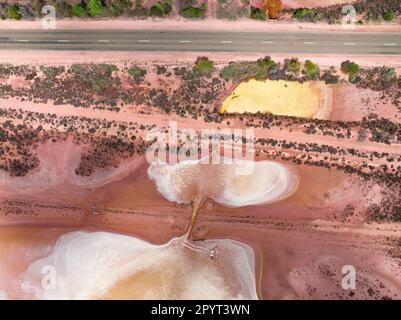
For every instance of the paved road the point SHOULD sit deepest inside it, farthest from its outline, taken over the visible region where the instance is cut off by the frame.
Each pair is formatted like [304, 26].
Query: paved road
[218, 41]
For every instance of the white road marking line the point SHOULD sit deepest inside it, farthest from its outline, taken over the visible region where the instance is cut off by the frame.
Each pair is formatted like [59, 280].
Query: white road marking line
[389, 44]
[185, 41]
[103, 41]
[143, 41]
[226, 41]
[349, 43]
[63, 40]
[267, 41]
[21, 40]
[309, 42]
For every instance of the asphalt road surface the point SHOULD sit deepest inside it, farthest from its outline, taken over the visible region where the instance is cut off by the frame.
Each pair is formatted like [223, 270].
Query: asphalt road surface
[199, 41]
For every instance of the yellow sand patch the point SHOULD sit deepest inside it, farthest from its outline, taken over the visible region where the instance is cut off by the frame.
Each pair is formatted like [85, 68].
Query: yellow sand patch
[278, 97]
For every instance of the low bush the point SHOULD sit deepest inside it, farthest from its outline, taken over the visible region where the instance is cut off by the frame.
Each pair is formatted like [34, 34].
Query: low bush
[350, 68]
[248, 69]
[204, 65]
[95, 76]
[258, 14]
[136, 71]
[79, 10]
[13, 12]
[95, 8]
[389, 16]
[191, 12]
[311, 70]
[293, 65]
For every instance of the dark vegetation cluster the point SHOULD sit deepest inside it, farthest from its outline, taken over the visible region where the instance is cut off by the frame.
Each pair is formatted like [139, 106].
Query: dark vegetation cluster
[85, 9]
[102, 149]
[15, 157]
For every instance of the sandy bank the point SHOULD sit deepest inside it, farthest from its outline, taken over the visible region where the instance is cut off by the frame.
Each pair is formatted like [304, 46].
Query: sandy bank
[310, 99]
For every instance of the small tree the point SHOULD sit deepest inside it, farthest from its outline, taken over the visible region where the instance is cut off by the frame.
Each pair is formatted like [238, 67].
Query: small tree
[95, 7]
[12, 12]
[157, 10]
[78, 10]
[294, 65]
[350, 68]
[204, 65]
[258, 14]
[311, 69]
[389, 16]
[191, 12]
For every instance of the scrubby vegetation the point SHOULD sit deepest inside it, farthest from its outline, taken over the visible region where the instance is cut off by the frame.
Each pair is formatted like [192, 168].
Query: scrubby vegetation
[78, 10]
[204, 65]
[232, 9]
[94, 76]
[160, 9]
[367, 10]
[258, 14]
[307, 14]
[193, 12]
[350, 68]
[249, 69]
[87, 9]
[13, 12]
[105, 86]
[14, 154]
[311, 70]
[197, 94]
[137, 73]
[293, 65]
[389, 16]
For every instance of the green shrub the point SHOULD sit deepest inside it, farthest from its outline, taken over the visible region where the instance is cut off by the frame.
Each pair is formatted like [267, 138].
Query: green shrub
[294, 65]
[12, 12]
[247, 69]
[308, 14]
[95, 76]
[204, 65]
[157, 10]
[258, 14]
[78, 10]
[311, 69]
[95, 7]
[51, 72]
[136, 71]
[303, 13]
[389, 16]
[119, 7]
[350, 68]
[194, 12]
